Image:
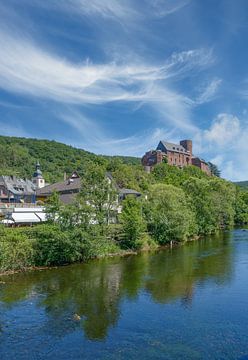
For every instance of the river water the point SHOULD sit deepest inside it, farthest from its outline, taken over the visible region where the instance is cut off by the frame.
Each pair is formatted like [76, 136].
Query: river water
[189, 302]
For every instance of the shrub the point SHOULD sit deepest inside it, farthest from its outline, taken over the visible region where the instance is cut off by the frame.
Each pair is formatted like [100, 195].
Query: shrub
[16, 251]
[53, 246]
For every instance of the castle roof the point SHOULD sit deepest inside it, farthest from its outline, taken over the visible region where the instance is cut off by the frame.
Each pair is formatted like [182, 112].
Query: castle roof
[172, 147]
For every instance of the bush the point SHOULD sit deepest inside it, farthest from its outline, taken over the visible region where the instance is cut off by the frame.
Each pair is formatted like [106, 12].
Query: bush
[16, 251]
[92, 243]
[53, 246]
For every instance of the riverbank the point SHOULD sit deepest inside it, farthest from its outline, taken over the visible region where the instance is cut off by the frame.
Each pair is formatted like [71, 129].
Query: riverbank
[23, 249]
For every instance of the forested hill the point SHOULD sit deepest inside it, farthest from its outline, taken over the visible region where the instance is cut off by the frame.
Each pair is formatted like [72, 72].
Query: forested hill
[19, 155]
[242, 184]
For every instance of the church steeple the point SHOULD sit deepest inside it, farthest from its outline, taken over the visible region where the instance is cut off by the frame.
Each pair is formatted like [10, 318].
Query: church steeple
[38, 179]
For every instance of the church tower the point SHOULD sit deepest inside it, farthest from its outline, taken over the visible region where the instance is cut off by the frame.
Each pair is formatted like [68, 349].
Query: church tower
[38, 179]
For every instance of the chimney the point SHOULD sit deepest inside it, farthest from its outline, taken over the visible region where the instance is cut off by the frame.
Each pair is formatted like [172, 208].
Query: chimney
[187, 144]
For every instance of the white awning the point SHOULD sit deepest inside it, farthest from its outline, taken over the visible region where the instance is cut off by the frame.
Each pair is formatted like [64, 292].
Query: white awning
[23, 218]
[41, 215]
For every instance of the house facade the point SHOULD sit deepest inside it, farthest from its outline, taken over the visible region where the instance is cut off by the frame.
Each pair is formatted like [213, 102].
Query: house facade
[16, 190]
[179, 155]
[67, 189]
[70, 187]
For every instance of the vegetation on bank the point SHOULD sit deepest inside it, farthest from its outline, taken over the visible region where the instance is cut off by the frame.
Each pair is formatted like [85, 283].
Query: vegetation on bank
[177, 204]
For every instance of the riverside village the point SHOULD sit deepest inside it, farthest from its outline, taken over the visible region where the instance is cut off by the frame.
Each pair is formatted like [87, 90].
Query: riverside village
[22, 201]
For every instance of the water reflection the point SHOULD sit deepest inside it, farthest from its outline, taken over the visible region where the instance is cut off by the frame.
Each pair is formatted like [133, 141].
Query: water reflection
[95, 291]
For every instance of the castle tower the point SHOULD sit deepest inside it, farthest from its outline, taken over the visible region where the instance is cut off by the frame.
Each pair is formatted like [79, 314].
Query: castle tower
[187, 144]
[38, 179]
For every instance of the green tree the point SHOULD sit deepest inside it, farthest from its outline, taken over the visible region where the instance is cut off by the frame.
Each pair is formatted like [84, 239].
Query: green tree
[133, 224]
[168, 214]
[52, 207]
[99, 196]
[212, 201]
[241, 207]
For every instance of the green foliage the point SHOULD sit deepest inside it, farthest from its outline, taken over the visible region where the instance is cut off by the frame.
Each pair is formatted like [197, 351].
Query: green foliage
[19, 155]
[52, 246]
[242, 184]
[132, 177]
[168, 215]
[164, 173]
[99, 195]
[212, 201]
[16, 251]
[93, 243]
[241, 207]
[52, 207]
[133, 224]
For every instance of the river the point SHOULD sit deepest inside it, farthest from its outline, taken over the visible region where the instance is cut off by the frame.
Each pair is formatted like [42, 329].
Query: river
[188, 302]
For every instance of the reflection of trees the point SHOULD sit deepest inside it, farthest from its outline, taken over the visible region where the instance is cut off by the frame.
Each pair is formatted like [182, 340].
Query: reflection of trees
[94, 291]
[173, 276]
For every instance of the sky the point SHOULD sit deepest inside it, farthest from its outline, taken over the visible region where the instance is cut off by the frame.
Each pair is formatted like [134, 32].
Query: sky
[117, 76]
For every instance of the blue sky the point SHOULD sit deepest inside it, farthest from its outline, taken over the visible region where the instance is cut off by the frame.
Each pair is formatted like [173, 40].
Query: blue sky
[117, 76]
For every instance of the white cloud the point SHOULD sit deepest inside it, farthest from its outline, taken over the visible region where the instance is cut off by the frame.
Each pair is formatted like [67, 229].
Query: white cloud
[208, 94]
[163, 8]
[29, 70]
[225, 144]
[224, 130]
[128, 11]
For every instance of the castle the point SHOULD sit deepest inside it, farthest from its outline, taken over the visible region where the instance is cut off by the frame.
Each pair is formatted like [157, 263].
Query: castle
[179, 155]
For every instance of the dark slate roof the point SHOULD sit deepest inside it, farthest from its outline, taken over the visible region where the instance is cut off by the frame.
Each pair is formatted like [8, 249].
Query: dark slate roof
[67, 198]
[72, 185]
[202, 160]
[18, 186]
[174, 147]
[68, 189]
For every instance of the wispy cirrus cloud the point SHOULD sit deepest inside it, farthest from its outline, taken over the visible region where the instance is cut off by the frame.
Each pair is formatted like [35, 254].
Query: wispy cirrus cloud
[27, 69]
[163, 8]
[97, 138]
[209, 92]
[121, 11]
